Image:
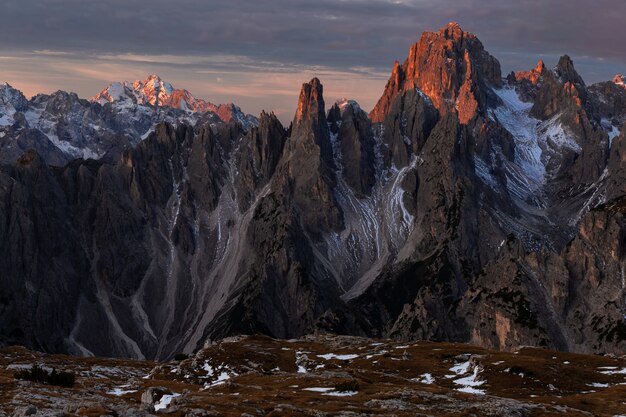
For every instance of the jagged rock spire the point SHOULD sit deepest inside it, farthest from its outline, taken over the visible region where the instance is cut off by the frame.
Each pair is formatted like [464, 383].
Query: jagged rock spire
[310, 122]
[311, 108]
[567, 73]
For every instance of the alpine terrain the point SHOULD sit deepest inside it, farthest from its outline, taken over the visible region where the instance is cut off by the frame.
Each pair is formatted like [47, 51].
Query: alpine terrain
[468, 206]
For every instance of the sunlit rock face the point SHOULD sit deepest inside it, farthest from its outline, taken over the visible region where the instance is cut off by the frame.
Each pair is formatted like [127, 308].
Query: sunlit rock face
[466, 207]
[451, 67]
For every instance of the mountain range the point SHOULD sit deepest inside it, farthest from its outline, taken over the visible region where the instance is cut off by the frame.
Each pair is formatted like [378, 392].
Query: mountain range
[62, 127]
[467, 206]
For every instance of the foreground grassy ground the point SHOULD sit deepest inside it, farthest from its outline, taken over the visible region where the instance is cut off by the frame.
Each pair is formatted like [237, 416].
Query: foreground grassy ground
[323, 375]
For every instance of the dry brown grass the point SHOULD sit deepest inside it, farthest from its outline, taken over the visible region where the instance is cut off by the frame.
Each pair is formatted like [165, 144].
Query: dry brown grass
[264, 380]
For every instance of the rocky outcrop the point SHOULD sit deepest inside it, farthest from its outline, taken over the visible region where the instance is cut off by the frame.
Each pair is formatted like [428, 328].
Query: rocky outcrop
[260, 153]
[451, 67]
[578, 136]
[355, 145]
[309, 150]
[17, 140]
[153, 394]
[533, 76]
[561, 90]
[609, 100]
[582, 285]
[566, 73]
[616, 182]
[408, 124]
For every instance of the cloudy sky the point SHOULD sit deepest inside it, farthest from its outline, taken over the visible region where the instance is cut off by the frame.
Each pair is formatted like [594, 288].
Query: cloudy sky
[257, 53]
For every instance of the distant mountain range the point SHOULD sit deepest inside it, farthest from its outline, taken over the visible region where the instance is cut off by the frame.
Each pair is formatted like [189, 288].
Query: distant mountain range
[120, 116]
[467, 206]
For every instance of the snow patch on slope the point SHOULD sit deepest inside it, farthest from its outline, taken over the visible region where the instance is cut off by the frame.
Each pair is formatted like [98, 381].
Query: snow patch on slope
[165, 401]
[377, 225]
[536, 143]
[610, 129]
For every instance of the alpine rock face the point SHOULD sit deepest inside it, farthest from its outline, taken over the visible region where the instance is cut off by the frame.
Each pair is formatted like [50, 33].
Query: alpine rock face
[61, 126]
[467, 206]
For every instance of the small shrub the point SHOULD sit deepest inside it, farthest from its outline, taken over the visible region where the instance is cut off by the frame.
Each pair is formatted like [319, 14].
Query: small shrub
[347, 386]
[180, 357]
[38, 374]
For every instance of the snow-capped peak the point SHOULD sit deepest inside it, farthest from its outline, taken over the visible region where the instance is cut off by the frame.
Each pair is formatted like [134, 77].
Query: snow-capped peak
[11, 101]
[151, 91]
[9, 93]
[344, 103]
[155, 90]
[114, 92]
[620, 80]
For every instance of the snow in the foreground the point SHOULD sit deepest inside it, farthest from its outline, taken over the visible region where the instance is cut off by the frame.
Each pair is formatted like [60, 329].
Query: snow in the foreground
[612, 370]
[221, 379]
[425, 379]
[331, 391]
[165, 401]
[119, 391]
[224, 375]
[330, 356]
[469, 383]
[379, 353]
[460, 369]
[299, 360]
[341, 393]
[208, 368]
[317, 389]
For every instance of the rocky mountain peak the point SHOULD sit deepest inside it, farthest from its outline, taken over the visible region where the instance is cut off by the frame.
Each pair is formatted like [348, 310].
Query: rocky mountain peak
[311, 106]
[620, 80]
[453, 31]
[440, 64]
[394, 86]
[154, 91]
[153, 78]
[533, 76]
[344, 104]
[9, 95]
[567, 73]
[541, 66]
[151, 91]
[11, 101]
